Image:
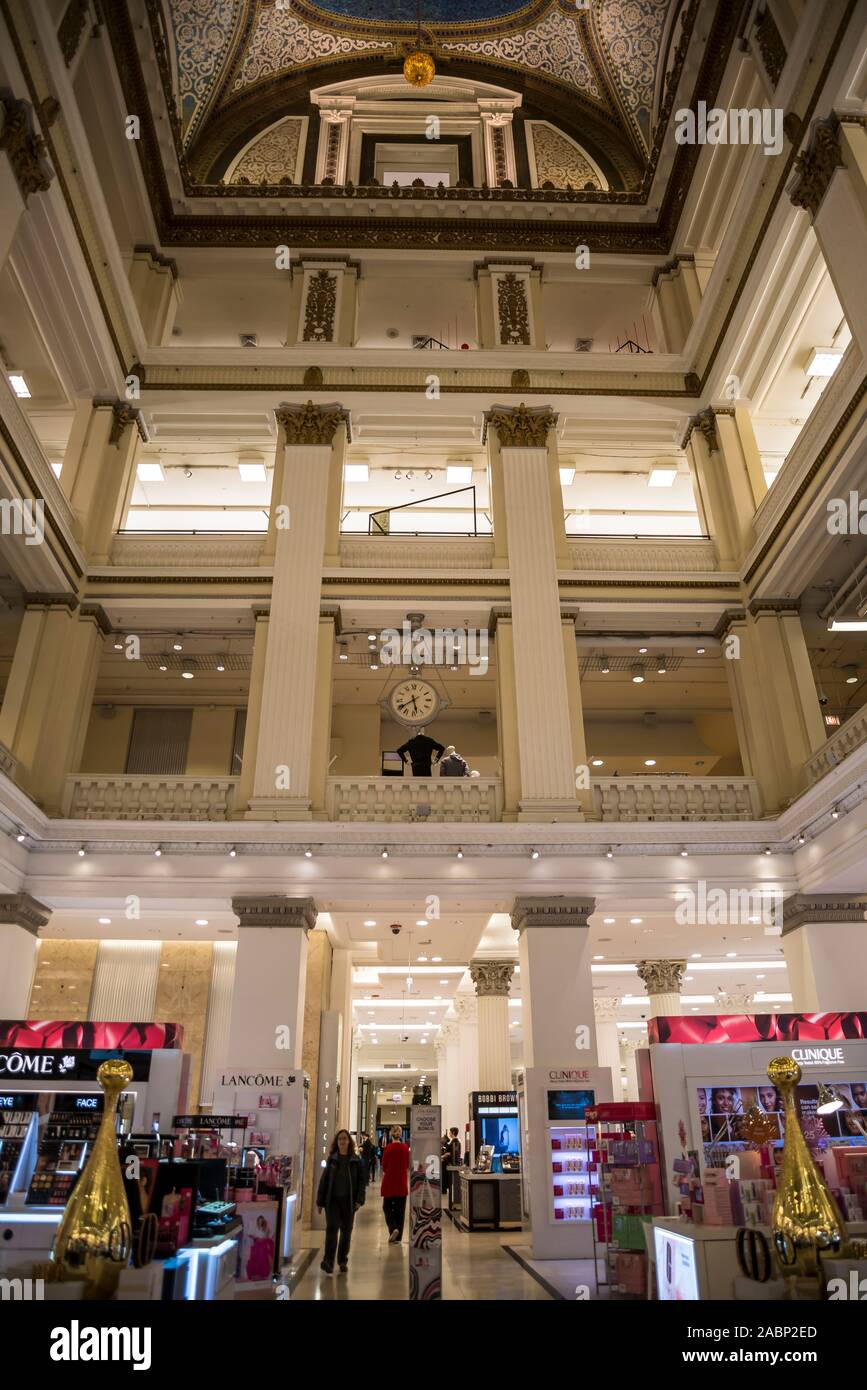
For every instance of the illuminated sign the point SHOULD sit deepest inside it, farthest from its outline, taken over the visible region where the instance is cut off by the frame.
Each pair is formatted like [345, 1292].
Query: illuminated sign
[569, 1074]
[818, 1056]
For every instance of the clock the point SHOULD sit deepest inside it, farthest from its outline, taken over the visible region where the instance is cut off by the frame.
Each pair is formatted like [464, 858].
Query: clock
[413, 702]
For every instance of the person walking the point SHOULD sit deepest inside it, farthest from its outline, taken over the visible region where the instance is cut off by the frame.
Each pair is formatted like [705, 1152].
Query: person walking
[394, 1187]
[368, 1155]
[341, 1192]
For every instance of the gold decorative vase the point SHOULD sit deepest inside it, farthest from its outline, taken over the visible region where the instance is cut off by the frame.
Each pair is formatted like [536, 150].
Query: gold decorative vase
[94, 1239]
[807, 1222]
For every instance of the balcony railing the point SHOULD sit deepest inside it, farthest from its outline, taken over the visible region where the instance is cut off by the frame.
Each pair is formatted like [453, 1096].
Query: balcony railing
[839, 746]
[390, 799]
[149, 798]
[676, 798]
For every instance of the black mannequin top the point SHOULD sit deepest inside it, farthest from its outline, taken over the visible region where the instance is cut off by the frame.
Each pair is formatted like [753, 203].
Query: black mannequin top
[421, 750]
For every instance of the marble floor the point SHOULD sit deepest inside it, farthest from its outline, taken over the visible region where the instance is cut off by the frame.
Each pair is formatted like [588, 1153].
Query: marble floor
[475, 1266]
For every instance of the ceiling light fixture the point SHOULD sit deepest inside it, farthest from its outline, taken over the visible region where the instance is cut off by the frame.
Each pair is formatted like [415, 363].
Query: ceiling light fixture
[383, 854]
[609, 853]
[19, 386]
[534, 854]
[308, 853]
[460, 854]
[233, 853]
[661, 477]
[823, 361]
[150, 473]
[567, 477]
[637, 673]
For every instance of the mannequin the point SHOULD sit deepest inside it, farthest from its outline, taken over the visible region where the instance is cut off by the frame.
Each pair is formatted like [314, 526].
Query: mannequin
[422, 751]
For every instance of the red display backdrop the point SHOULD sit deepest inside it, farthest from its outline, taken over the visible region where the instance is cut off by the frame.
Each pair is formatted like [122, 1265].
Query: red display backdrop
[109, 1037]
[741, 1028]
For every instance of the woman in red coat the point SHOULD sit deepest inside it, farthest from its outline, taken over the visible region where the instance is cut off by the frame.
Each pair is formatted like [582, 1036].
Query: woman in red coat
[395, 1171]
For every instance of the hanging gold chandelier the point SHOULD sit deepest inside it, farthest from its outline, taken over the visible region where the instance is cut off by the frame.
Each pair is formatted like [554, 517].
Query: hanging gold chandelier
[418, 67]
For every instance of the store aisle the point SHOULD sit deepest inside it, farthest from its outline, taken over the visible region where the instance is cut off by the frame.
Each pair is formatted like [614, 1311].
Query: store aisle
[474, 1266]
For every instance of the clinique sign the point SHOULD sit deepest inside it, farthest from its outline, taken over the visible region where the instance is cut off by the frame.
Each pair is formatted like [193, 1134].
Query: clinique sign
[818, 1056]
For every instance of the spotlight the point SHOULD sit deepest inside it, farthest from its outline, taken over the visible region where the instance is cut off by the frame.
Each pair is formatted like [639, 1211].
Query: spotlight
[604, 665]
[384, 854]
[164, 665]
[642, 651]
[835, 814]
[308, 854]
[158, 853]
[597, 762]
[460, 854]
[851, 674]
[609, 854]
[177, 646]
[662, 668]
[534, 854]
[767, 849]
[21, 837]
[684, 853]
[802, 839]
[221, 663]
[371, 637]
[700, 651]
[82, 852]
[637, 673]
[188, 669]
[233, 853]
[650, 762]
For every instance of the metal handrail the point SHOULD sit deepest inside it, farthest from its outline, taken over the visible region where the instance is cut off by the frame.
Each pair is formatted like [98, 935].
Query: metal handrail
[404, 506]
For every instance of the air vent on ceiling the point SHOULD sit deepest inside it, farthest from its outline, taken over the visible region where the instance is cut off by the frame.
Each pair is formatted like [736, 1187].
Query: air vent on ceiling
[583, 344]
[249, 340]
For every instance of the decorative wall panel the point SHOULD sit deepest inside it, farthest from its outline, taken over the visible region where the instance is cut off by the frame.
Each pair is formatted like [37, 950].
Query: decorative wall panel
[272, 156]
[559, 160]
[281, 40]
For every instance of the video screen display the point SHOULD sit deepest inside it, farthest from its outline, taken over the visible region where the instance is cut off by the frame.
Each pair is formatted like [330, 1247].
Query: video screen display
[722, 1110]
[569, 1105]
[501, 1131]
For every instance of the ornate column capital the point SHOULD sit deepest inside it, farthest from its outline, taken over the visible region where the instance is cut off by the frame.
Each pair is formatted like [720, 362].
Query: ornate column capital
[20, 910]
[26, 149]
[815, 167]
[448, 1032]
[661, 976]
[275, 911]
[606, 1008]
[520, 426]
[492, 977]
[705, 421]
[551, 912]
[803, 908]
[311, 424]
[465, 1008]
[122, 416]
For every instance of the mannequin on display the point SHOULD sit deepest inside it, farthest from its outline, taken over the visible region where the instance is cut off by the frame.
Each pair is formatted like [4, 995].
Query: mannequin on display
[453, 765]
[422, 751]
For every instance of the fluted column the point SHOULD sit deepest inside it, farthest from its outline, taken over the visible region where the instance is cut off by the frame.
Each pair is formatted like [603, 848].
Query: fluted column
[352, 1124]
[559, 1022]
[285, 751]
[547, 765]
[662, 979]
[831, 185]
[454, 1110]
[628, 1059]
[608, 1040]
[728, 478]
[20, 920]
[492, 979]
[99, 470]
[823, 942]
[468, 1051]
[774, 699]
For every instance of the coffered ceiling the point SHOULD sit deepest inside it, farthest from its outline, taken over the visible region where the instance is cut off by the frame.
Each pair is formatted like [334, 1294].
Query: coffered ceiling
[217, 74]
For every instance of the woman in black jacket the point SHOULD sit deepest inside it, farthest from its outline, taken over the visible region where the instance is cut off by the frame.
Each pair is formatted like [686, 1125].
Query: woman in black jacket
[341, 1193]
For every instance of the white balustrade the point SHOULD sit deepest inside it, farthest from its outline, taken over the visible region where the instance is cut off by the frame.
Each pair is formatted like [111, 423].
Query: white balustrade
[149, 798]
[675, 798]
[419, 799]
[839, 746]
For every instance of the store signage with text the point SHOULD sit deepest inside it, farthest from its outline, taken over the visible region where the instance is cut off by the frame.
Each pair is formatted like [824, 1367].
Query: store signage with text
[818, 1056]
[569, 1074]
[259, 1078]
[209, 1122]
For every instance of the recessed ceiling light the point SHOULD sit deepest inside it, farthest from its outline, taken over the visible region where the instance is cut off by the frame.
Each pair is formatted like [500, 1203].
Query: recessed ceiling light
[637, 673]
[150, 473]
[730, 955]
[696, 955]
[252, 472]
[19, 386]
[384, 854]
[201, 921]
[650, 762]
[598, 957]
[700, 651]
[609, 921]
[436, 958]
[598, 762]
[422, 922]
[609, 854]
[636, 921]
[308, 853]
[534, 854]
[356, 472]
[370, 923]
[642, 651]
[661, 477]
[104, 921]
[567, 477]
[823, 361]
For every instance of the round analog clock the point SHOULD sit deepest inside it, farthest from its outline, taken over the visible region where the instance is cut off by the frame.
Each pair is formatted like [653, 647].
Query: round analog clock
[414, 702]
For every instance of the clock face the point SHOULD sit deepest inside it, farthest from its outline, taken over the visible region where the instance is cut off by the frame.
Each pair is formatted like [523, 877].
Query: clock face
[414, 701]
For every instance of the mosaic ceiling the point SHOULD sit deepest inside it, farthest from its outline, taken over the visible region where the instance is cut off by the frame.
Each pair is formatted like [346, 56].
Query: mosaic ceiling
[606, 59]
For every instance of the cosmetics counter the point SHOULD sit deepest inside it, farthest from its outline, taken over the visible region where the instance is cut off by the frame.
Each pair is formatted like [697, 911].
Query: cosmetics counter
[722, 1129]
[559, 1180]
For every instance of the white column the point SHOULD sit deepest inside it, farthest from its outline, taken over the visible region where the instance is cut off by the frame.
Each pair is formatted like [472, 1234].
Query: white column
[20, 919]
[468, 1044]
[450, 1076]
[270, 976]
[352, 1123]
[608, 1040]
[125, 980]
[492, 979]
[628, 1050]
[219, 1015]
[281, 782]
[832, 186]
[543, 715]
[823, 943]
[662, 978]
[556, 984]
[341, 1000]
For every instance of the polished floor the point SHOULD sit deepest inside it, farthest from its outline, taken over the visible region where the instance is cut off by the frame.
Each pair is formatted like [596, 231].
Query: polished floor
[475, 1266]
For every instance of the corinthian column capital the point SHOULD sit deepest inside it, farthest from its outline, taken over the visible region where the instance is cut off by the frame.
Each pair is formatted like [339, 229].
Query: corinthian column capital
[311, 424]
[492, 977]
[661, 976]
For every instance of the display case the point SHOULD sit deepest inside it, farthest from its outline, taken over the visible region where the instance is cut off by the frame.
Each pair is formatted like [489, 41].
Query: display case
[628, 1194]
[573, 1176]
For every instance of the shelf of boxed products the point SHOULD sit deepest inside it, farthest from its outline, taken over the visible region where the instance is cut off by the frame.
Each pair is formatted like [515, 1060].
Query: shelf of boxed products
[629, 1188]
[572, 1172]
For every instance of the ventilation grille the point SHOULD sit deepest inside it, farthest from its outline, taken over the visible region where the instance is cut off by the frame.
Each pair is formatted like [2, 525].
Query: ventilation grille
[175, 661]
[626, 663]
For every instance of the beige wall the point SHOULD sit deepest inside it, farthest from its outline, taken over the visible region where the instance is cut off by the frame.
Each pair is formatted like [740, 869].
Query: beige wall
[208, 755]
[211, 737]
[107, 741]
[183, 988]
[355, 739]
[62, 980]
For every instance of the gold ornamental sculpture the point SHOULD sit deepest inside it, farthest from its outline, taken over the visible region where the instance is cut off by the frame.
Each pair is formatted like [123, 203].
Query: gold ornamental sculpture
[94, 1239]
[807, 1222]
[419, 69]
